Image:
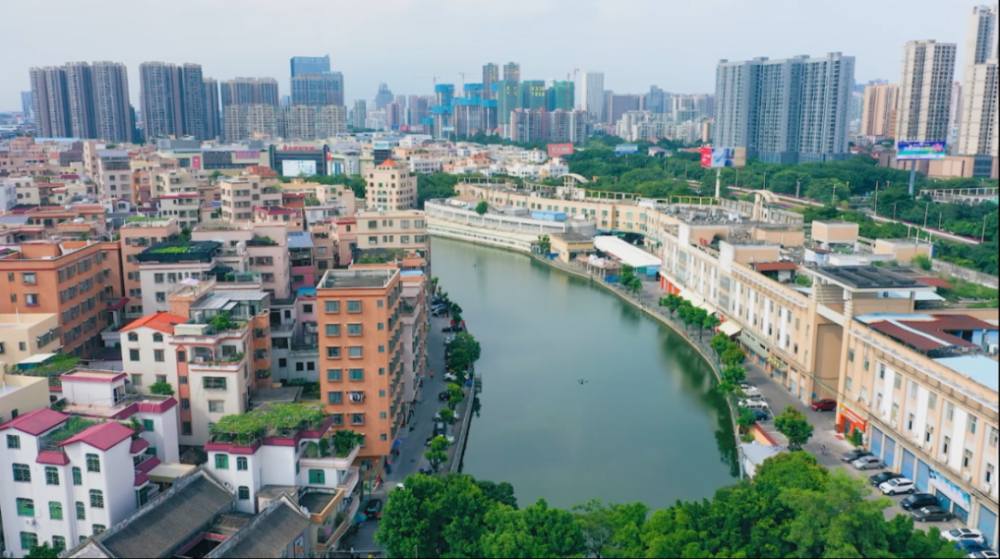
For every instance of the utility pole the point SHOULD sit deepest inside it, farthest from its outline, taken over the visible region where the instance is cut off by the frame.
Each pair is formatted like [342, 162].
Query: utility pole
[894, 211]
[927, 208]
[913, 175]
[718, 182]
[798, 188]
[982, 238]
[876, 198]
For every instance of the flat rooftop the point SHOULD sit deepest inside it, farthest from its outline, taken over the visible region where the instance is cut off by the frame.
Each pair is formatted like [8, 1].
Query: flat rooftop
[868, 278]
[351, 279]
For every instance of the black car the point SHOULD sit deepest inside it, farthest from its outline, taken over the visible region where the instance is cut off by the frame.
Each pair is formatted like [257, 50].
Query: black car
[374, 509]
[880, 478]
[931, 514]
[854, 455]
[443, 396]
[919, 501]
[440, 429]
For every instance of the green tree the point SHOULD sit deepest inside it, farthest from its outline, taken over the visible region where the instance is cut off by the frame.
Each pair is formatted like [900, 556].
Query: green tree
[544, 244]
[161, 388]
[536, 531]
[43, 551]
[611, 531]
[733, 356]
[923, 262]
[793, 424]
[447, 415]
[710, 322]
[502, 493]
[857, 437]
[482, 207]
[745, 419]
[673, 303]
[455, 395]
[438, 454]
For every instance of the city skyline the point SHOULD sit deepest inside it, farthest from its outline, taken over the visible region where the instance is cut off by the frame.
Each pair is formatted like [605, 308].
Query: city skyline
[679, 68]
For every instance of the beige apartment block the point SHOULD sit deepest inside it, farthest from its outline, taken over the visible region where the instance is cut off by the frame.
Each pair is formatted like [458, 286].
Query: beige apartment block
[392, 230]
[25, 335]
[834, 233]
[878, 117]
[20, 395]
[138, 234]
[266, 248]
[240, 195]
[903, 251]
[391, 186]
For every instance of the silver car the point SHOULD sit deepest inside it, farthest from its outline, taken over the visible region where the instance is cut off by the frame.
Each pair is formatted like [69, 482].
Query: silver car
[868, 463]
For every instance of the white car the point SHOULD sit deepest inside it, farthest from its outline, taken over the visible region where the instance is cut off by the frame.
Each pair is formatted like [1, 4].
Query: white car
[752, 392]
[964, 535]
[451, 377]
[897, 486]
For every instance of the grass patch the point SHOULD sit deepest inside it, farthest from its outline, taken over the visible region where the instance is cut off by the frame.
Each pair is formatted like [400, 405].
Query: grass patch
[73, 427]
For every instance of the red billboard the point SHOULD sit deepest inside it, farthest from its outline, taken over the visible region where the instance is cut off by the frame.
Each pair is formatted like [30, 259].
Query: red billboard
[560, 150]
[706, 156]
[196, 162]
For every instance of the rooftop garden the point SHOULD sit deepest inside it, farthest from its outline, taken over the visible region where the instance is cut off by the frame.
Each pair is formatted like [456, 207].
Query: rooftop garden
[70, 429]
[341, 444]
[262, 241]
[142, 218]
[381, 256]
[52, 368]
[279, 420]
[181, 249]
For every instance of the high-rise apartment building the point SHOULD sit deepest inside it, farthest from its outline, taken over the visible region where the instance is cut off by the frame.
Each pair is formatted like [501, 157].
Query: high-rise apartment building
[80, 94]
[82, 100]
[383, 97]
[508, 99]
[878, 114]
[656, 100]
[561, 96]
[359, 114]
[533, 94]
[925, 91]
[592, 96]
[194, 114]
[512, 72]
[113, 118]
[250, 91]
[391, 187]
[977, 133]
[491, 75]
[419, 109]
[307, 122]
[26, 105]
[617, 105]
[955, 114]
[213, 111]
[793, 110]
[174, 100]
[310, 65]
[318, 89]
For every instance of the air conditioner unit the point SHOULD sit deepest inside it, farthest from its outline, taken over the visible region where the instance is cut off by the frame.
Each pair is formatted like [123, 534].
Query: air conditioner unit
[29, 522]
[987, 487]
[967, 477]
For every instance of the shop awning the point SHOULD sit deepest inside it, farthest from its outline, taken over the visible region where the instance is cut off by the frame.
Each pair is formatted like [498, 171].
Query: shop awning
[730, 329]
[691, 297]
[712, 309]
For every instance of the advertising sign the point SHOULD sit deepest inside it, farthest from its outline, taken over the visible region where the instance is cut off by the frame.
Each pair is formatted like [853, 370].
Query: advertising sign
[950, 490]
[196, 162]
[908, 151]
[723, 157]
[248, 154]
[626, 149]
[382, 144]
[295, 167]
[298, 148]
[560, 150]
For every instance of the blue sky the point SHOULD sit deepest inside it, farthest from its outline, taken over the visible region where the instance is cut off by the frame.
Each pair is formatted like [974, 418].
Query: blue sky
[636, 43]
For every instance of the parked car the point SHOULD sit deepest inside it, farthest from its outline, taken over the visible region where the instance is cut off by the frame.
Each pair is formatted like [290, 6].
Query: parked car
[964, 535]
[897, 486]
[443, 396]
[440, 429]
[972, 547]
[988, 554]
[824, 405]
[760, 415]
[450, 377]
[919, 501]
[868, 463]
[932, 514]
[754, 405]
[882, 477]
[853, 455]
[374, 509]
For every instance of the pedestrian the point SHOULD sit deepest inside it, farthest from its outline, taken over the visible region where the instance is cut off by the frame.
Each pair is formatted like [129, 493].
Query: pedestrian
[352, 552]
[823, 450]
[432, 375]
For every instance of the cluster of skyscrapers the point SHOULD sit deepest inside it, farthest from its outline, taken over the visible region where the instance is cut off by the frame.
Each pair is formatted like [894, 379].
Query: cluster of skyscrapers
[82, 100]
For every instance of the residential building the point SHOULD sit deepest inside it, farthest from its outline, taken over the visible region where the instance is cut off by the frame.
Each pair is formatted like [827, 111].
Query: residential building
[955, 114]
[979, 111]
[75, 477]
[512, 72]
[383, 97]
[360, 358]
[266, 248]
[491, 75]
[165, 267]
[20, 394]
[508, 98]
[239, 195]
[250, 122]
[770, 107]
[50, 102]
[318, 89]
[617, 105]
[391, 186]
[880, 110]
[526, 126]
[27, 335]
[213, 111]
[592, 96]
[113, 116]
[174, 100]
[27, 102]
[72, 279]
[137, 235]
[533, 96]
[657, 100]
[80, 96]
[250, 91]
[314, 122]
[404, 230]
[925, 91]
[360, 113]
[310, 65]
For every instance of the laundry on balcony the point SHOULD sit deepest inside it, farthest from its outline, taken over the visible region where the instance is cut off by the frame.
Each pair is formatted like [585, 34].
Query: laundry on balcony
[357, 397]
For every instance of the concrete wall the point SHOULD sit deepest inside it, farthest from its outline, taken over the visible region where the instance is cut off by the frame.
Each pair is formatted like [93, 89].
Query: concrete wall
[22, 394]
[966, 274]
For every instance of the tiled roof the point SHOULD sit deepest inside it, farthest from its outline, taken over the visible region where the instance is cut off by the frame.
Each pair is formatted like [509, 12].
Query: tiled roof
[52, 458]
[138, 446]
[103, 436]
[268, 535]
[775, 266]
[164, 524]
[162, 321]
[36, 422]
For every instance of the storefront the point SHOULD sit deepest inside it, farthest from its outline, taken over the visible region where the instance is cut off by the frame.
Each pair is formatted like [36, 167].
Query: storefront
[850, 421]
[909, 467]
[951, 496]
[923, 476]
[889, 452]
[988, 524]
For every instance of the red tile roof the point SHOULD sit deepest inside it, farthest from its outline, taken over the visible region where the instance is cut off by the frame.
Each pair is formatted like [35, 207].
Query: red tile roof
[52, 458]
[935, 282]
[138, 446]
[775, 266]
[141, 479]
[162, 321]
[103, 436]
[389, 162]
[148, 465]
[86, 376]
[36, 422]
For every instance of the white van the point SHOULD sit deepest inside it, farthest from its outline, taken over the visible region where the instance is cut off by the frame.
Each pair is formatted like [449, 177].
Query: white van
[760, 405]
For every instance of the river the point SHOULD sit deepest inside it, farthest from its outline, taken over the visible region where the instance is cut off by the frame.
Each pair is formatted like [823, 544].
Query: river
[645, 426]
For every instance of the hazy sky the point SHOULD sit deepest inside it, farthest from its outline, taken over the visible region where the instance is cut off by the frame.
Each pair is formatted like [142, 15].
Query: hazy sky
[673, 44]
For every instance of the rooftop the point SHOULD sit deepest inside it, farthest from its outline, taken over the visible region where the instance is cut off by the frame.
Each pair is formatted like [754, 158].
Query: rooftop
[103, 436]
[625, 252]
[977, 368]
[162, 321]
[299, 239]
[572, 237]
[868, 278]
[37, 422]
[930, 333]
[267, 535]
[783, 266]
[179, 251]
[352, 279]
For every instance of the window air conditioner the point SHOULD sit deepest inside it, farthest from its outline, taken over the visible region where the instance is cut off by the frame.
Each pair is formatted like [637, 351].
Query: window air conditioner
[967, 477]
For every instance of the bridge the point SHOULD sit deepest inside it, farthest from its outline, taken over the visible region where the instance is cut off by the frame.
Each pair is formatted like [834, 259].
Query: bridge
[963, 195]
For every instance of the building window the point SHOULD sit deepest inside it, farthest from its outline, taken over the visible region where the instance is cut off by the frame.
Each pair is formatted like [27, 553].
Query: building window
[31, 299]
[947, 443]
[182, 358]
[353, 329]
[949, 412]
[51, 476]
[214, 383]
[381, 415]
[81, 511]
[14, 442]
[384, 437]
[897, 382]
[216, 406]
[357, 374]
[381, 349]
[333, 352]
[967, 459]
[242, 464]
[99, 529]
[994, 435]
[357, 419]
[55, 510]
[93, 464]
[133, 355]
[186, 428]
[221, 461]
[381, 303]
[317, 477]
[158, 355]
[77, 477]
[334, 375]
[25, 507]
[932, 401]
[244, 493]
[354, 352]
[331, 306]
[332, 329]
[133, 337]
[58, 543]
[29, 540]
[147, 425]
[354, 307]
[973, 423]
[96, 499]
[909, 423]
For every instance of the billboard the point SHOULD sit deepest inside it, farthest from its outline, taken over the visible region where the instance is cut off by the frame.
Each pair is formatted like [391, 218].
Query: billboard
[723, 157]
[626, 149]
[907, 151]
[248, 154]
[296, 167]
[196, 162]
[382, 144]
[560, 150]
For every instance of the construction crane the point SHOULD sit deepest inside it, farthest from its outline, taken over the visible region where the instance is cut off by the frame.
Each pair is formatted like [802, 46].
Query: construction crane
[463, 74]
[434, 78]
[576, 72]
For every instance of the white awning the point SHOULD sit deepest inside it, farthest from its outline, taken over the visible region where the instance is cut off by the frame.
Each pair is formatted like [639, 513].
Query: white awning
[712, 309]
[730, 328]
[691, 297]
